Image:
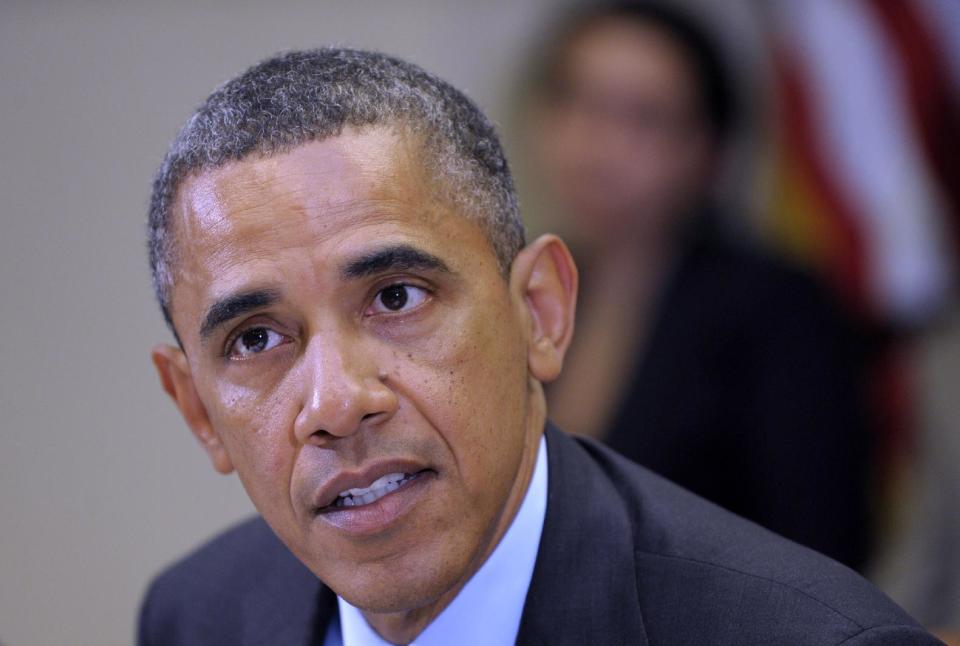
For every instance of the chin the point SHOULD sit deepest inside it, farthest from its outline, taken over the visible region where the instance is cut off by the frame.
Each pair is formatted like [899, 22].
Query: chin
[392, 594]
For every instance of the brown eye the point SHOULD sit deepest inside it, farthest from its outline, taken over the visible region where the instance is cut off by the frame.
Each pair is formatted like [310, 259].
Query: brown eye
[398, 298]
[254, 341]
[394, 297]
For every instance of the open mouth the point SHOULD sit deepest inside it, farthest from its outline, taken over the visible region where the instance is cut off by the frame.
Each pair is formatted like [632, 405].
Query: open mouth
[378, 489]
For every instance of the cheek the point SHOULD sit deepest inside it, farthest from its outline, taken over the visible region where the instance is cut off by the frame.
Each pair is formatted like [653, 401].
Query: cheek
[257, 433]
[470, 383]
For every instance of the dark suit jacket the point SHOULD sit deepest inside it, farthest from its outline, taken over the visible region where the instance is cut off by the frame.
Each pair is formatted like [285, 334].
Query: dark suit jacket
[749, 393]
[625, 558]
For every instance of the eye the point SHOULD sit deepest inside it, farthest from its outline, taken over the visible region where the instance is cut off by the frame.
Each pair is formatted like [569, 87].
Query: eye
[254, 341]
[398, 298]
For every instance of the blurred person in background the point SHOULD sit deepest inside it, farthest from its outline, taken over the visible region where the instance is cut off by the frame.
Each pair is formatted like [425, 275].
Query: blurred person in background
[696, 354]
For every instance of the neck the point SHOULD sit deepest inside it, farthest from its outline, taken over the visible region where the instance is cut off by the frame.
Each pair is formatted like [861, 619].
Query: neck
[625, 271]
[404, 626]
[621, 283]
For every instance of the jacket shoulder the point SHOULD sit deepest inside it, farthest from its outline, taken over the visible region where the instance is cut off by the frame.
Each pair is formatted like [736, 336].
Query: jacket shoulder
[705, 575]
[224, 591]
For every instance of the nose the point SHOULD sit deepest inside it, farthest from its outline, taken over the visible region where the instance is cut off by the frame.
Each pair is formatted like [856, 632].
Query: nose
[342, 390]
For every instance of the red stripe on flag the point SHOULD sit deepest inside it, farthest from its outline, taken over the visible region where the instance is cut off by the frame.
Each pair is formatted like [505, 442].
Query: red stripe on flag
[933, 103]
[848, 262]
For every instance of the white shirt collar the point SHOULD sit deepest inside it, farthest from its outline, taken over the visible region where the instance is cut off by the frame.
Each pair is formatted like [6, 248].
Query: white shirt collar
[488, 608]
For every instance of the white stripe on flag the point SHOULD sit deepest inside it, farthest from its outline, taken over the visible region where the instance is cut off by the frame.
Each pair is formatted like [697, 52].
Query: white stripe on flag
[870, 147]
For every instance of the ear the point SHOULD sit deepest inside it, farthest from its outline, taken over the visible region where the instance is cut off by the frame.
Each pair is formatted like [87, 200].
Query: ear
[177, 381]
[544, 276]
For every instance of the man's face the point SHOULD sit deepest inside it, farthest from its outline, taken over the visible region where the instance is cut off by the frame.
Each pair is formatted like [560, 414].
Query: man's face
[342, 324]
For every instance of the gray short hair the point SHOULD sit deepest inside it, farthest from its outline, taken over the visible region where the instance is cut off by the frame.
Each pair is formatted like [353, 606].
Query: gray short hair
[303, 96]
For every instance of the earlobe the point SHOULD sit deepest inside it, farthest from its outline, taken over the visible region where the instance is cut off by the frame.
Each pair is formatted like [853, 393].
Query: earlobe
[545, 277]
[177, 381]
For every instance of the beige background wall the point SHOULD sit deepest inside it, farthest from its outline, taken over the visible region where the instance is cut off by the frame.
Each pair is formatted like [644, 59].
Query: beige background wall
[100, 483]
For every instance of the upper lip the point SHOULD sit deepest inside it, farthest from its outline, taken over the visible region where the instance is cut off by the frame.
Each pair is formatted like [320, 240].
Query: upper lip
[343, 480]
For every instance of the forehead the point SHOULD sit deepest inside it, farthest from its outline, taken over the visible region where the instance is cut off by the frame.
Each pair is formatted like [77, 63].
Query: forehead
[315, 203]
[315, 184]
[612, 51]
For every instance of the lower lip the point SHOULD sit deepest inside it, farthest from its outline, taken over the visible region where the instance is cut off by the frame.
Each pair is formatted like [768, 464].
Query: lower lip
[379, 515]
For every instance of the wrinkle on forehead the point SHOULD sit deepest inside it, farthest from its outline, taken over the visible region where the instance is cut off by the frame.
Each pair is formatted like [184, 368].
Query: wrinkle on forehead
[310, 176]
[331, 184]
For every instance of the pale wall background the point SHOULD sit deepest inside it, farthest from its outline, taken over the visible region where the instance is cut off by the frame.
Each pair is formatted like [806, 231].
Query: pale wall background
[100, 482]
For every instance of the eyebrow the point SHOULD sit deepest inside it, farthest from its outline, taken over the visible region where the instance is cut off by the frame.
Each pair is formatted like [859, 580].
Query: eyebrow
[394, 258]
[399, 257]
[230, 307]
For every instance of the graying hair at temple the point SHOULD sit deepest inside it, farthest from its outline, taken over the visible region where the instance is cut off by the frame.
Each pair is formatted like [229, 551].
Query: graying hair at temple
[303, 96]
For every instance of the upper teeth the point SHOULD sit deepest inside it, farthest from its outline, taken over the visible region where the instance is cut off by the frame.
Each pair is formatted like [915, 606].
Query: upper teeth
[377, 489]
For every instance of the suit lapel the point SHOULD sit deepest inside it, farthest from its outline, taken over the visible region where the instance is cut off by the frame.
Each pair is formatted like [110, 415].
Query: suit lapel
[584, 586]
[289, 606]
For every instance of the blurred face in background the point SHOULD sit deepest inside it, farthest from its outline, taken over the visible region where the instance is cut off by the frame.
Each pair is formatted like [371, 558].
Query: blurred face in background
[620, 134]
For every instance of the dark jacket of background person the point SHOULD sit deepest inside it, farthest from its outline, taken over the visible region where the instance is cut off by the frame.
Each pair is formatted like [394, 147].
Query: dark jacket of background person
[747, 393]
[625, 558]
[733, 374]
